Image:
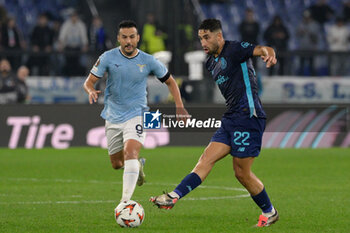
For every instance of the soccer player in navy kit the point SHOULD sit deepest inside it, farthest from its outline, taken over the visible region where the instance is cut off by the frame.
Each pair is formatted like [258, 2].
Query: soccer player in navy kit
[243, 123]
[125, 100]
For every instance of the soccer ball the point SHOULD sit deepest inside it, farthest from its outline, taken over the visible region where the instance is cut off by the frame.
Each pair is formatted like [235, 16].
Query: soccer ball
[129, 214]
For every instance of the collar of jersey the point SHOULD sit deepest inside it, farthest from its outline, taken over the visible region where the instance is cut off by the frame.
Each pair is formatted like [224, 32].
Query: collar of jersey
[138, 52]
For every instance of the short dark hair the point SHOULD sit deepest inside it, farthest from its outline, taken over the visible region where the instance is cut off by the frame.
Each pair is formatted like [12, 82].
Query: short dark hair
[127, 24]
[210, 24]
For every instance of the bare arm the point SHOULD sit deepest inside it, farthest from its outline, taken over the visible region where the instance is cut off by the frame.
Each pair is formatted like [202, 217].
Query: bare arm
[267, 54]
[181, 112]
[89, 87]
[174, 91]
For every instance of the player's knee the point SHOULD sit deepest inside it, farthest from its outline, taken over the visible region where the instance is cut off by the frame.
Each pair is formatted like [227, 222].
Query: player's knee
[241, 175]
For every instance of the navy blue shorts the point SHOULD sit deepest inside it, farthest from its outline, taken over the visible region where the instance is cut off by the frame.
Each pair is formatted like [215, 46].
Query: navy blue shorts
[243, 135]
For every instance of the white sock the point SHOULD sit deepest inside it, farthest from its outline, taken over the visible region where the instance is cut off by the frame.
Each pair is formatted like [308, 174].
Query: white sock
[174, 195]
[130, 176]
[269, 214]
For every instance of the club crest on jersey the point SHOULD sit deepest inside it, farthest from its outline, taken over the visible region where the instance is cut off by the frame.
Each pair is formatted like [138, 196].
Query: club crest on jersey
[223, 63]
[141, 67]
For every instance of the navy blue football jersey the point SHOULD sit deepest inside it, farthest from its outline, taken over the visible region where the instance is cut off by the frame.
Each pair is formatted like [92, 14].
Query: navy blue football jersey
[233, 72]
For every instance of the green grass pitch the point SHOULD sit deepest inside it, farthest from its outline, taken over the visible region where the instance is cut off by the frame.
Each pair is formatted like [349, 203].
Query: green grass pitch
[76, 190]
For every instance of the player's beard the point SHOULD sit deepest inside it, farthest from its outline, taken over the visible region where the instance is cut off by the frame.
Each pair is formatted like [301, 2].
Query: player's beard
[126, 52]
[214, 50]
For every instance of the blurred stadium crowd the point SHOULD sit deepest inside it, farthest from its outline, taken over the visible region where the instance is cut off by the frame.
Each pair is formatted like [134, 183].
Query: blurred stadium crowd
[307, 29]
[54, 38]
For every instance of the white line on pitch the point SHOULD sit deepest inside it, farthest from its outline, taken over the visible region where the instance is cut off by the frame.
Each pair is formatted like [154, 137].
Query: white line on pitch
[223, 187]
[215, 198]
[118, 182]
[205, 187]
[114, 201]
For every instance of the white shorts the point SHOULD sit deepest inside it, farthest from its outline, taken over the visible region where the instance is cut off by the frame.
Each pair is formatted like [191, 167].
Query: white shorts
[118, 134]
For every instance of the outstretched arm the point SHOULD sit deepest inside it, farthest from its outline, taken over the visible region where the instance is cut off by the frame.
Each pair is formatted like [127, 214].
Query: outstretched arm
[175, 92]
[89, 87]
[267, 54]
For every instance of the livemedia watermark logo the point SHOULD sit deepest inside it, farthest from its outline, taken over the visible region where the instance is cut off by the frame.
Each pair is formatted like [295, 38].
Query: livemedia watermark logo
[156, 120]
[151, 120]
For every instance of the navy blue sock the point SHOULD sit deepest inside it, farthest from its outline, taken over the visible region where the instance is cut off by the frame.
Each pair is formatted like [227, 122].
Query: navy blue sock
[263, 201]
[190, 182]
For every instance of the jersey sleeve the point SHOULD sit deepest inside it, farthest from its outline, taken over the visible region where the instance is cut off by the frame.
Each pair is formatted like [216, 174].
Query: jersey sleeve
[158, 69]
[243, 51]
[100, 66]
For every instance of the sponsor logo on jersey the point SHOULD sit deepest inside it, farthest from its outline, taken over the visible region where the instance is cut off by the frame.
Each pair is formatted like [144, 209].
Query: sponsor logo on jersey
[221, 79]
[245, 44]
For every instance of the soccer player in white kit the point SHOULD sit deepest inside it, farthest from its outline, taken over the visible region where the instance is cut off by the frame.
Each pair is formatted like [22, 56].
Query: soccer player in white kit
[125, 100]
